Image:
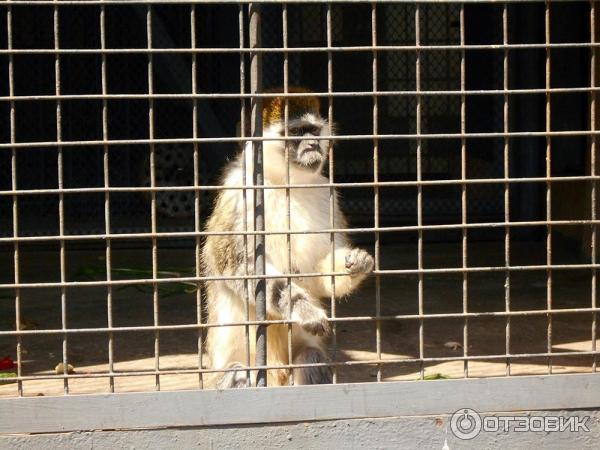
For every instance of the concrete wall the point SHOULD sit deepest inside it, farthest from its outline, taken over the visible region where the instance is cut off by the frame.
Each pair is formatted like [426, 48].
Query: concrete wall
[422, 432]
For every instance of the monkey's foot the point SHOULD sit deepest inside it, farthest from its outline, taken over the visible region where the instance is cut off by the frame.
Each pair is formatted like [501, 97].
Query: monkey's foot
[359, 261]
[311, 318]
[314, 374]
[234, 379]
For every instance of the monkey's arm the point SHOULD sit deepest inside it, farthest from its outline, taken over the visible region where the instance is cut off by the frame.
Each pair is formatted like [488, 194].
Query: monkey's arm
[227, 254]
[344, 258]
[355, 262]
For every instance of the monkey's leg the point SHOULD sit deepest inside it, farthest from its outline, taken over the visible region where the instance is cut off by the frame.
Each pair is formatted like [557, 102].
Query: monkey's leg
[225, 343]
[355, 262]
[314, 374]
[227, 352]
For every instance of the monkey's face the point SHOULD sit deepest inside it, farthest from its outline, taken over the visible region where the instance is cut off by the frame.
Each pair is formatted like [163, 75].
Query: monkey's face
[307, 152]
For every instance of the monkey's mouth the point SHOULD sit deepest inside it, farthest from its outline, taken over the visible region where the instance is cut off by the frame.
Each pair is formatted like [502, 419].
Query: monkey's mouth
[311, 152]
[310, 158]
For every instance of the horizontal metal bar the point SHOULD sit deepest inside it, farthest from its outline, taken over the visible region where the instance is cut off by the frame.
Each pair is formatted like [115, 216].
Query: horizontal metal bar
[383, 361]
[193, 234]
[236, 2]
[298, 403]
[399, 317]
[356, 48]
[342, 94]
[153, 281]
[359, 184]
[350, 137]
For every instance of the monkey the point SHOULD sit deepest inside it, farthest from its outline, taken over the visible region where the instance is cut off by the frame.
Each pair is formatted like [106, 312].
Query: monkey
[224, 254]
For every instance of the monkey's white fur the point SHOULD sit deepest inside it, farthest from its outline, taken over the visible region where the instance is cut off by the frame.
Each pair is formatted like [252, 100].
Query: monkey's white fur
[310, 253]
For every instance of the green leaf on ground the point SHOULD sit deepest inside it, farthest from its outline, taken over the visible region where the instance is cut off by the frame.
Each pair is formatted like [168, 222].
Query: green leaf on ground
[7, 375]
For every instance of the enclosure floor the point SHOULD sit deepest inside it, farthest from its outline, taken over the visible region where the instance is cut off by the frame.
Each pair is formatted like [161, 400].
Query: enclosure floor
[356, 341]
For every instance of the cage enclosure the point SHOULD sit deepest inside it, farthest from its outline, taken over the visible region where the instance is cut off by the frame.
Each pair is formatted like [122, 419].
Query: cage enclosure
[464, 159]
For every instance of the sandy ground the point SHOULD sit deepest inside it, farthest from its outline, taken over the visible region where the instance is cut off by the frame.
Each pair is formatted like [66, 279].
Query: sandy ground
[356, 341]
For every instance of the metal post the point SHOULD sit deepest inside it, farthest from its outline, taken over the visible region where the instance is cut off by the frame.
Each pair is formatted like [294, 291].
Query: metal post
[376, 189]
[506, 157]
[197, 224]
[419, 189]
[15, 199]
[331, 178]
[243, 119]
[258, 179]
[549, 275]
[153, 215]
[593, 192]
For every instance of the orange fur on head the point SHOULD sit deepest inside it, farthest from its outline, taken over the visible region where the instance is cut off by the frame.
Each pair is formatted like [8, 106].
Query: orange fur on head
[274, 108]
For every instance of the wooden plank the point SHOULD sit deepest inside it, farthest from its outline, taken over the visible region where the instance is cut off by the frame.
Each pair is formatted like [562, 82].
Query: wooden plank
[300, 403]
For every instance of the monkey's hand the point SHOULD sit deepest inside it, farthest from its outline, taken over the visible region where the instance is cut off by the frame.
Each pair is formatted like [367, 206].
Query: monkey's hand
[306, 311]
[358, 261]
[311, 317]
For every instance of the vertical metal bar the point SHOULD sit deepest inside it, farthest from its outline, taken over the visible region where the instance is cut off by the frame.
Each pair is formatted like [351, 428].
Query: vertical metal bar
[593, 139]
[420, 186]
[506, 185]
[61, 199]
[197, 224]
[155, 304]
[258, 175]
[376, 188]
[15, 203]
[463, 197]
[548, 186]
[286, 118]
[106, 168]
[244, 191]
[332, 199]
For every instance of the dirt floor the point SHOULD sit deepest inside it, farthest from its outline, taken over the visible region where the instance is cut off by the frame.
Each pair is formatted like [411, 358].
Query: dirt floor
[356, 341]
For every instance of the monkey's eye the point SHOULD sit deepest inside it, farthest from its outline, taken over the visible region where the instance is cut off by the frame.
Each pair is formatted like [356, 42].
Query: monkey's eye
[294, 131]
[302, 130]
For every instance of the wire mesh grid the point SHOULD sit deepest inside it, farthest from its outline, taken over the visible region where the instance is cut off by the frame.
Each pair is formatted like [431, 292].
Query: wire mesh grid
[477, 133]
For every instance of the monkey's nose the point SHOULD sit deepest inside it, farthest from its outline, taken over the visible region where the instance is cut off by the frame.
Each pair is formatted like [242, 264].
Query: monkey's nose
[313, 145]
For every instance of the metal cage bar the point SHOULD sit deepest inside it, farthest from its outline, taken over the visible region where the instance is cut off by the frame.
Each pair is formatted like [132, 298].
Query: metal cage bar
[330, 173]
[244, 192]
[153, 218]
[376, 190]
[353, 137]
[255, 31]
[593, 193]
[419, 144]
[548, 185]
[107, 227]
[463, 193]
[288, 207]
[61, 208]
[15, 203]
[158, 2]
[506, 170]
[197, 224]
